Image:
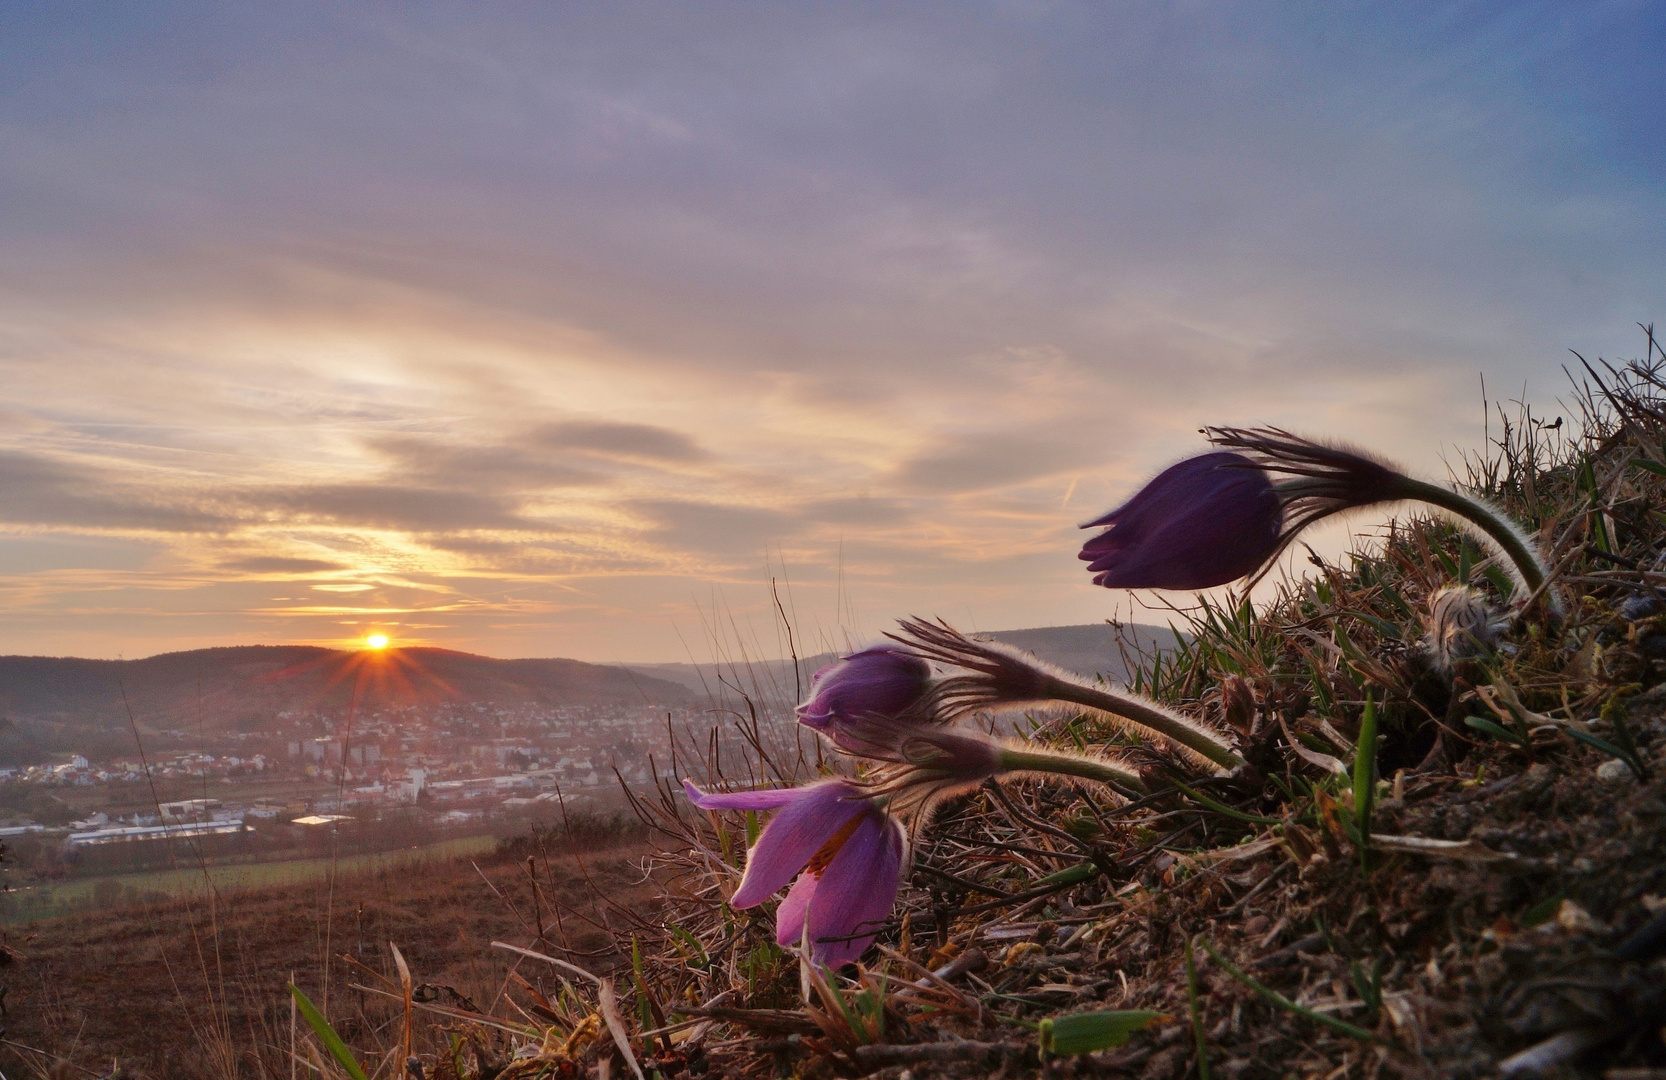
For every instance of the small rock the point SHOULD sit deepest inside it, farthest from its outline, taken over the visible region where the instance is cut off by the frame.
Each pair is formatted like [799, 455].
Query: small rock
[1639, 606]
[1615, 771]
[1576, 920]
[1018, 952]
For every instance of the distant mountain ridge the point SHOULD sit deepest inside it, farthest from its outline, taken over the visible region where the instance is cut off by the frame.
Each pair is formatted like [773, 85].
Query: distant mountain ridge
[1090, 650]
[241, 685]
[63, 703]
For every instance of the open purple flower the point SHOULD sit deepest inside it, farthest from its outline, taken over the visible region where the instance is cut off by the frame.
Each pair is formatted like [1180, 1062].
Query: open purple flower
[1204, 522]
[870, 700]
[846, 852]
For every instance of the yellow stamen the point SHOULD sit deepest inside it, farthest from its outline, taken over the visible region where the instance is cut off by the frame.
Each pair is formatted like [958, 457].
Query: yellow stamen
[824, 855]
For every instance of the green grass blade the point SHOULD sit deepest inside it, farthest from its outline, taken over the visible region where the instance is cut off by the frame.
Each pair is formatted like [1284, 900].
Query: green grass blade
[1222, 808]
[1365, 779]
[1070, 875]
[1608, 748]
[1086, 1032]
[327, 1034]
[1497, 731]
[1196, 1010]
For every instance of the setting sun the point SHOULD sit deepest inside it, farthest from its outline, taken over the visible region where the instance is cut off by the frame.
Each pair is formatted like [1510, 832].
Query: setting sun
[377, 641]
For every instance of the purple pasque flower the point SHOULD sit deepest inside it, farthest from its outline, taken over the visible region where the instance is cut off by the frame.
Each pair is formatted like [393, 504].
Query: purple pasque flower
[1221, 516]
[870, 700]
[1209, 520]
[845, 851]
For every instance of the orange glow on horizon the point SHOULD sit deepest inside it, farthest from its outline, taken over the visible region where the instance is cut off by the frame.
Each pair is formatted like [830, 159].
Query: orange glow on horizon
[376, 641]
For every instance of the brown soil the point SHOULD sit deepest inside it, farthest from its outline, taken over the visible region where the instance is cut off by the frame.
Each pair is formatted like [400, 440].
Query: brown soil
[193, 989]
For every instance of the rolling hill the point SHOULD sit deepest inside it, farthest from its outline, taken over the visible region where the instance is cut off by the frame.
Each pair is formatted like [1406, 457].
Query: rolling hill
[60, 703]
[1090, 650]
[243, 686]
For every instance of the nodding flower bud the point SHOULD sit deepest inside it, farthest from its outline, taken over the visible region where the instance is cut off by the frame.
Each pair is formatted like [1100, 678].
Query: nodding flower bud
[869, 701]
[1226, 515]
[1204, 522]
[959, 756]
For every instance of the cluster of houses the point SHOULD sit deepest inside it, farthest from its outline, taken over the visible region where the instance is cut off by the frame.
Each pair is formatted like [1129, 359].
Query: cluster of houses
[449, 765]
[78, 771]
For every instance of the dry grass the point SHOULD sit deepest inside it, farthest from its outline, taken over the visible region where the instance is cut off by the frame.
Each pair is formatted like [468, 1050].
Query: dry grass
[172, 990]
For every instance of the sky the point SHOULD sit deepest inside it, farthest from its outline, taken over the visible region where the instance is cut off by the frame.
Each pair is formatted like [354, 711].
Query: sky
[562, 330]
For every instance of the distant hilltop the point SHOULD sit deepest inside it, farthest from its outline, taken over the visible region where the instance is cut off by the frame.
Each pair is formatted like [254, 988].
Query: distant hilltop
[1089, 650]
[242, 687]
[67, 702]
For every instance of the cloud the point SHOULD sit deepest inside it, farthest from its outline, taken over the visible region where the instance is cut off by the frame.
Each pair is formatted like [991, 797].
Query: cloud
[715, 528]
[412, 509]
[621, 440]
[278, 564]
[548, 456]
[36, 490]
[489, 467]
[860, 510]
[981, 462]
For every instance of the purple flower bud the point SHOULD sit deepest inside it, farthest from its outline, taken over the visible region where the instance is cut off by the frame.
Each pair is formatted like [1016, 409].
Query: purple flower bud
[1226, 515]
[846, 852]
[870, 700]
[1204, 522]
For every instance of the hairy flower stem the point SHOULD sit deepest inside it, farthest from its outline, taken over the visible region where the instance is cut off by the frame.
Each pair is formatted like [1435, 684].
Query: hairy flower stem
[1528, 567]
[1013, 760]
[1141, 715]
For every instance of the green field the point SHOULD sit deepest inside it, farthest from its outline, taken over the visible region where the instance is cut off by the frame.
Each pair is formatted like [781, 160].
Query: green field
[45, 901]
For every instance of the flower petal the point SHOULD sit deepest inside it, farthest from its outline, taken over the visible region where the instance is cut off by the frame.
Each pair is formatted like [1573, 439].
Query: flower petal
[794, 835]
[1206, 521]
[771, 799]
[864, 700]
[789, 917]
[857, 890]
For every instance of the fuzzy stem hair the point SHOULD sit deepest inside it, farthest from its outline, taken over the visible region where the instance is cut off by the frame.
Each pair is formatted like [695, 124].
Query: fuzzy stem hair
[1002, 675]
[1033, 761]
[1494, 529]
[1320, 479]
